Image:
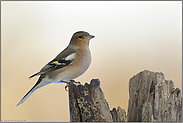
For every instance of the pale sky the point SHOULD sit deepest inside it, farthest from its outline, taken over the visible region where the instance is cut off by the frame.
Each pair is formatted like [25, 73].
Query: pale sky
[129, 38]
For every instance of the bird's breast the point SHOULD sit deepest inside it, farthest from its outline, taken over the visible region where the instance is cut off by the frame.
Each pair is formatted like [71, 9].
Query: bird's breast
[79, 65]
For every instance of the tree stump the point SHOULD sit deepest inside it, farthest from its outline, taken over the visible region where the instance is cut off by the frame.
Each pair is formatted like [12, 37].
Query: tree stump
[87, 103]
[153, 99]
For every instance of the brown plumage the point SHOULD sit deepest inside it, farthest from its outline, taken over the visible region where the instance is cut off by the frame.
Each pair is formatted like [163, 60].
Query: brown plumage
[72, 62]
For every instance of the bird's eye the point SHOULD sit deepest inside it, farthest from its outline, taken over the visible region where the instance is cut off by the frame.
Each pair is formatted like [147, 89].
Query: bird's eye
[81, 37]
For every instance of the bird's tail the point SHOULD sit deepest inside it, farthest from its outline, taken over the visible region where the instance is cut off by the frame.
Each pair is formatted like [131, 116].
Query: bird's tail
[35, 87]
[27, 95]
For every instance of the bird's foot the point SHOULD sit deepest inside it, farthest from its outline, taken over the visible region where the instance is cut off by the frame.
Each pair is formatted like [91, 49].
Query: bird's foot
[73, 81]
[66, 87]
[68, 83]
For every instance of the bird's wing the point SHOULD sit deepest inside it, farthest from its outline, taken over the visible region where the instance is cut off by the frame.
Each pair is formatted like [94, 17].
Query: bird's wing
[63, 59]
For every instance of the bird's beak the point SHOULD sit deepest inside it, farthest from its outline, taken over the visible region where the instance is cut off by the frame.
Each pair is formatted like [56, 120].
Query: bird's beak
[90, 37]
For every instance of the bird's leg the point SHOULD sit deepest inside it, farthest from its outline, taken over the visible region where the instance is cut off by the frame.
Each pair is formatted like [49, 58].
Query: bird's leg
[68, 83]
[64, 82]
[73, 81]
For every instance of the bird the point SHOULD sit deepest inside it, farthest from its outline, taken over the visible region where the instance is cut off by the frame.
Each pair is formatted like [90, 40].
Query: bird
[72, 62]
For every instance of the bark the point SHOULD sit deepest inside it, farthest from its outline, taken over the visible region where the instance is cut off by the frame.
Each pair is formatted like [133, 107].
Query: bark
[87, 103]
[119, 115]
[153, 99]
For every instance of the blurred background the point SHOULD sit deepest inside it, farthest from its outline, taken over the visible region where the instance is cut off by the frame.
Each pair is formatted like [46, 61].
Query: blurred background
[129, 38]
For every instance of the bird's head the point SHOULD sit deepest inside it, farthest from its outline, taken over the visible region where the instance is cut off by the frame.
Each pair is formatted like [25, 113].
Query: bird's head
[81, 38]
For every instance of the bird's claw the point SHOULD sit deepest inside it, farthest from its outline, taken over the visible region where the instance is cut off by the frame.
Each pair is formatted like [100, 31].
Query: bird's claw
[68, 83]
[66, 87]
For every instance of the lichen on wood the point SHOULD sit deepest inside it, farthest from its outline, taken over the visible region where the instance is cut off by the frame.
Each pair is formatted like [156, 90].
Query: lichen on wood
[87, 103]
[151, 99]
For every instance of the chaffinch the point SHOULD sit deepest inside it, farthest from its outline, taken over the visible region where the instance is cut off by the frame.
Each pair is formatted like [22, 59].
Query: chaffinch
[72, 62]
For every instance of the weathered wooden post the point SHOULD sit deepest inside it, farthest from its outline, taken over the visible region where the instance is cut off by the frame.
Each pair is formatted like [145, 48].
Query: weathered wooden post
[87, 103]
[153, 99]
